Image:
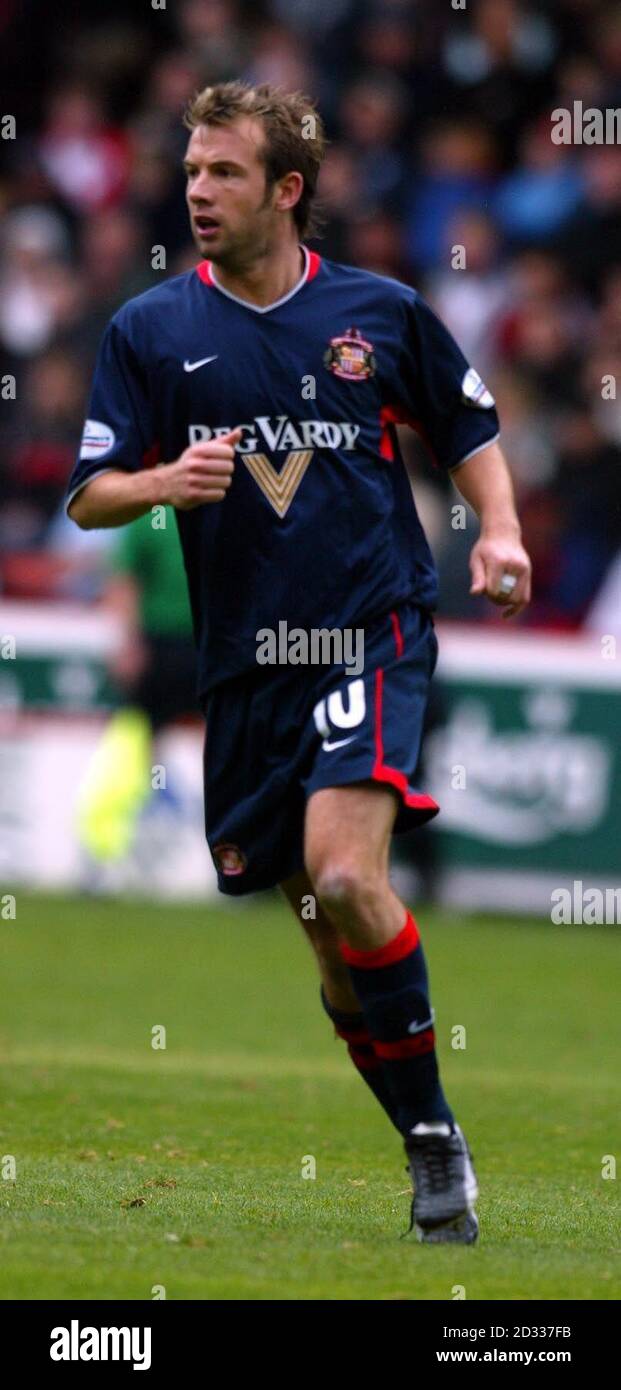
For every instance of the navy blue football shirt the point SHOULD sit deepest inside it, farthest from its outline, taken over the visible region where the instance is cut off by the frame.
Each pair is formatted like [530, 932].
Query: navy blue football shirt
[319, 526]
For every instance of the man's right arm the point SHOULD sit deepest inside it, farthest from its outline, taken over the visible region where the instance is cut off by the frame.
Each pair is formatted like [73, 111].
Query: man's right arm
[202, 474]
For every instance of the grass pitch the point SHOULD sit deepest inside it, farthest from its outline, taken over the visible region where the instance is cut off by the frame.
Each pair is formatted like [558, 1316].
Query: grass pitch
[139, 1168]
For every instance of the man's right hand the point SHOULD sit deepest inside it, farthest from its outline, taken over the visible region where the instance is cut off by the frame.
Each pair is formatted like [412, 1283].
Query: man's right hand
[203, 473]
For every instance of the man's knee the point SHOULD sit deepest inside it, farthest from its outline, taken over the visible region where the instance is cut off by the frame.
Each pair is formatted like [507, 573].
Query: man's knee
[344, 886]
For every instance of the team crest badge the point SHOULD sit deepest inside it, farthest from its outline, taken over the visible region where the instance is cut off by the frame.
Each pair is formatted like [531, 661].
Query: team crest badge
[350, 356]
[229, 859]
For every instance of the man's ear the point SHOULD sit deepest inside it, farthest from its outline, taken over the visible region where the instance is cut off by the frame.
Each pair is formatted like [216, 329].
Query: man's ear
[289, 191]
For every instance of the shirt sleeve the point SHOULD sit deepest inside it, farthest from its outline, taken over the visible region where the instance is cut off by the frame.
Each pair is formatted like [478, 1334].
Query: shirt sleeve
[119, 429]
[439, 393]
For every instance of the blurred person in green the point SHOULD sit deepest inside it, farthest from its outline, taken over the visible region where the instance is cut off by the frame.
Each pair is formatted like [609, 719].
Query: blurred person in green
[154, 669]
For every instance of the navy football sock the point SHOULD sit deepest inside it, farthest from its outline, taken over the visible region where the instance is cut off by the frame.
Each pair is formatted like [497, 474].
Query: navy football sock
[391, 985]
[353, 1029]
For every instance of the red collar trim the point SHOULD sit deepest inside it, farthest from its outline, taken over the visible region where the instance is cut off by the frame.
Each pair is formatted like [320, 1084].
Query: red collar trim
[314, 262]
[203, 270]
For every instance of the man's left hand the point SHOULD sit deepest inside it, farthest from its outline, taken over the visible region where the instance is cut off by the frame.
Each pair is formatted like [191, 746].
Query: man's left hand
[497, 554]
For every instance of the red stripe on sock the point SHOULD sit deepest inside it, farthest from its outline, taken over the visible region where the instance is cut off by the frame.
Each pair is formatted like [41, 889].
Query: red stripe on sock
[405, 941]
[354, 1035]
[406, 1047]
[364, 1060]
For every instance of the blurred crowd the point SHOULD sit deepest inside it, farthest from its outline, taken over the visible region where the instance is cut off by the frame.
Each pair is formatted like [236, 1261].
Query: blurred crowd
[439, 120]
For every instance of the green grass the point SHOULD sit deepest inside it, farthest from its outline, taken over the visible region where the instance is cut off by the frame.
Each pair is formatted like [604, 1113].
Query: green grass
[209, 1135]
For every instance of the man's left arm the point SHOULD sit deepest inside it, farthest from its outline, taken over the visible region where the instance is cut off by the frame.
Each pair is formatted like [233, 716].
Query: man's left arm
[484, 481]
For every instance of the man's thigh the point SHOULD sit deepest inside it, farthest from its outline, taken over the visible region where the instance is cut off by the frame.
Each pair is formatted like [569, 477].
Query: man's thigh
[349, 826]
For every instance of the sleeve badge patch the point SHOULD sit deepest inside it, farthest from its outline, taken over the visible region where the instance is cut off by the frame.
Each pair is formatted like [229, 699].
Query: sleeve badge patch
[475, 392]
[98, 439]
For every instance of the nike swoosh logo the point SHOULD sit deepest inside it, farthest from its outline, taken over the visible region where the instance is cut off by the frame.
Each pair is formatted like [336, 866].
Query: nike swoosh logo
[416, 1027]
[329, 747]
[191, 366]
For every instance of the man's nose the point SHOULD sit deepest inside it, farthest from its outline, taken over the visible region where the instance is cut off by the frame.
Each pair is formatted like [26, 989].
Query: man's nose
[200, 190]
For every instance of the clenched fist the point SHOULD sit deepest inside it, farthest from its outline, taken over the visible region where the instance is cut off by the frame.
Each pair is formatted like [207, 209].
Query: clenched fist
[203, 473]
[496, 554]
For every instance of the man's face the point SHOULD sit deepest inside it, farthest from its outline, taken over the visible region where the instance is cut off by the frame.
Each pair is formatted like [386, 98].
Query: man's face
[231, 210]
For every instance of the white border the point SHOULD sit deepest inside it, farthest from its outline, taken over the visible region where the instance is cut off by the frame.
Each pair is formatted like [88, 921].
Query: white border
[265, 308]
[478, 449]
[79, 486]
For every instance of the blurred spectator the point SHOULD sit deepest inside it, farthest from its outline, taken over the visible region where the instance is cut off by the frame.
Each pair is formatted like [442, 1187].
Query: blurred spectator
[457, 173]
[280, 58]
[504, 35]
[312, 19]
[340, 195]
[499, 63]
[541, 332]
[213, 31]
[546, 354]
[526, 431]
[537, 198]
[471, 300]
[608, 50]
[372, 114]
[85, 159]
[375, 242]
[602, 367]
[39, 447]
[587, 489]
[114, 256]
[581, 78]
[32, 278]
[387, 36]
[591, 241]
[172, 81]
[156, 191]
[115, 262]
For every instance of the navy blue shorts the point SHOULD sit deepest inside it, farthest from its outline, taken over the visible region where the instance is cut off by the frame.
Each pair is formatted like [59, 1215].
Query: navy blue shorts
[278, 734]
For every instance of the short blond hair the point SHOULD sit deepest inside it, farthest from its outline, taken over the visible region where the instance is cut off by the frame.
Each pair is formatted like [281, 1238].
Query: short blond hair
[294, 133]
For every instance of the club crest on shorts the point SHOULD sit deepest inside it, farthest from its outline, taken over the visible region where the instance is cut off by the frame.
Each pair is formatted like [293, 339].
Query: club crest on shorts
[350, 356]
[229, 859]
